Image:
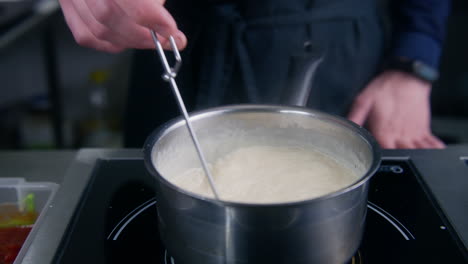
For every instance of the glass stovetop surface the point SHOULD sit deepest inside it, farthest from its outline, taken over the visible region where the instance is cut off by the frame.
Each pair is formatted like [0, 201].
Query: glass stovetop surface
[116, 221]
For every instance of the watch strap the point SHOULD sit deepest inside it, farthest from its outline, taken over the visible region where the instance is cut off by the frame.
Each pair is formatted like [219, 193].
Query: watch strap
[414, 67]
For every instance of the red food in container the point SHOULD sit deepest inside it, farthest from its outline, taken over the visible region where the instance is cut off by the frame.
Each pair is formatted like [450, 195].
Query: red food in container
[11, 240]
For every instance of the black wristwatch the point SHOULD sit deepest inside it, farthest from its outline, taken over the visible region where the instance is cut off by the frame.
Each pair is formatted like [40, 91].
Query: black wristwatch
[414, 67]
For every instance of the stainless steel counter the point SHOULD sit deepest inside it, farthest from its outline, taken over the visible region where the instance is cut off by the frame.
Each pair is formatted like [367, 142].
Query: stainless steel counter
[444, 171]
[48, 166]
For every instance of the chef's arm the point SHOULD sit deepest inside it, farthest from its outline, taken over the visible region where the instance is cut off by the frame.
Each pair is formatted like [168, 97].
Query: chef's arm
[396, 104]
[419, 28]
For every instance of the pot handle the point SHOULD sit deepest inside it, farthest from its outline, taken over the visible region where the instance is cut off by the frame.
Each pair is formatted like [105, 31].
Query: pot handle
[301, 74]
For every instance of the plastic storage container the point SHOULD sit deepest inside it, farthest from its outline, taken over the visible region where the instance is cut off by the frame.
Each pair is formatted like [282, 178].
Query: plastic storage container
[22, 206]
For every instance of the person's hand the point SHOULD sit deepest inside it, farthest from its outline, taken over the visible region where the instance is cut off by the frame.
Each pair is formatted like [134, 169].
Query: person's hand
[396, 107]
[115, 25]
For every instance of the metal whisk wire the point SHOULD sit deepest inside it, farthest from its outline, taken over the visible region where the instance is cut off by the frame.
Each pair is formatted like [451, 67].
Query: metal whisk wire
[169, 75]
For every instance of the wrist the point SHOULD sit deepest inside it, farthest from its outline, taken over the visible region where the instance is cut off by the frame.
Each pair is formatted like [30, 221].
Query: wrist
[416, 68]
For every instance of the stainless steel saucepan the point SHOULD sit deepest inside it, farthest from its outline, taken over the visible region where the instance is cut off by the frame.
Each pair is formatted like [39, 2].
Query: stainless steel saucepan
[197, 229]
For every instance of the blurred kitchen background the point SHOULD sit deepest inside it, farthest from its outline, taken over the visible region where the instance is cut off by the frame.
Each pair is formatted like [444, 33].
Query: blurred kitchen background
[56, 94]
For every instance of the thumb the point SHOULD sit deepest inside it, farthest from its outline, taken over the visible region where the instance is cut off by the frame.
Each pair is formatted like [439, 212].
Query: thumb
[360, 109]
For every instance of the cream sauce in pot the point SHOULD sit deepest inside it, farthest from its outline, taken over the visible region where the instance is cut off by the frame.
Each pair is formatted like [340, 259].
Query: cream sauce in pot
[268, 174]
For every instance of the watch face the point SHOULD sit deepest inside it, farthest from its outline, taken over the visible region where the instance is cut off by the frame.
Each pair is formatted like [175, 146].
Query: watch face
[424, 71]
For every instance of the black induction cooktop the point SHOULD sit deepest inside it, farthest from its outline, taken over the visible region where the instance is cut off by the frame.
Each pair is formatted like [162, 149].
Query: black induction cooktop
[116, 220]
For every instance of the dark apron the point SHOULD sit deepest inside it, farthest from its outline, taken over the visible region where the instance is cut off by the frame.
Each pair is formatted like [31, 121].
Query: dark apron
[240, 53]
